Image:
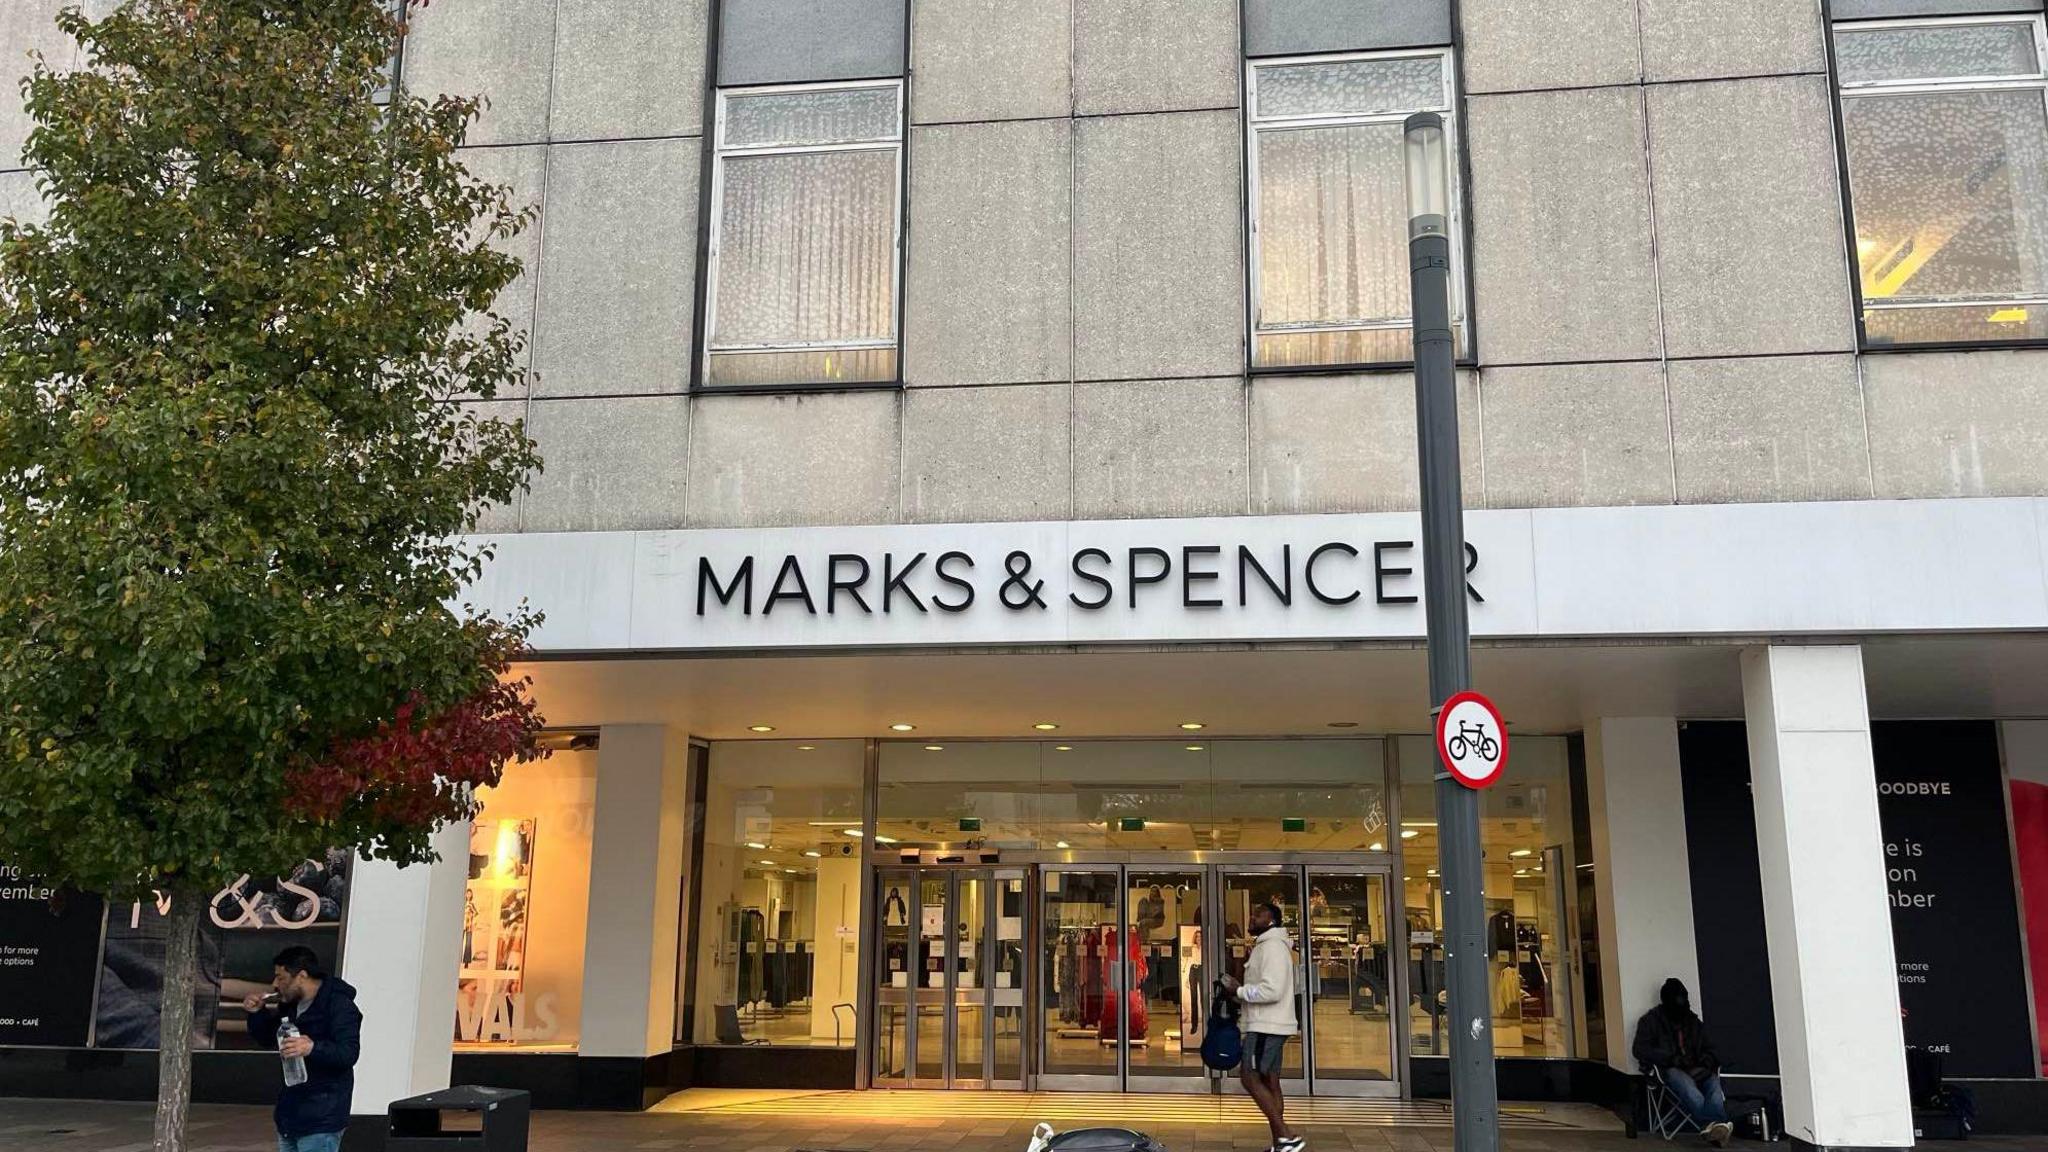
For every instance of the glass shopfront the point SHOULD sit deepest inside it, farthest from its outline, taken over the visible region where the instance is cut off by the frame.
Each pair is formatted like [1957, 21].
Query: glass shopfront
[1047, 914]
[1053, 914]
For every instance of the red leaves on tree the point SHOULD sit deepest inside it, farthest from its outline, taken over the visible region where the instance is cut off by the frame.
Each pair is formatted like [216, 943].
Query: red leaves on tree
[422, 771]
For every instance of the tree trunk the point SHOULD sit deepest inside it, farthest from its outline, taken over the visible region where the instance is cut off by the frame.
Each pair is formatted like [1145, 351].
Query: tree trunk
[174, 1034]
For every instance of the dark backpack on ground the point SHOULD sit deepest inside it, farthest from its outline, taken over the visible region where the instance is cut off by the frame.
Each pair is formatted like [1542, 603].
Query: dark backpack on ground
[1222, 1044]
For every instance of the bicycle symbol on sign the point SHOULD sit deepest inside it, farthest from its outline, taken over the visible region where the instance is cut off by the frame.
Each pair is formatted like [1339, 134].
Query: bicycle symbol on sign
[1472, 738]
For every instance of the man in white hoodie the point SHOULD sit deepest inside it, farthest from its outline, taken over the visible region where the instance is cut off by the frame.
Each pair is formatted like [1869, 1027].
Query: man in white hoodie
[1267, 993]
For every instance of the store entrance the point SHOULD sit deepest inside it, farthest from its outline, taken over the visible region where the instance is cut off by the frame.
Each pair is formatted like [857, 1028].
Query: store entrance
[1098, 977]
[950, 978]
[1128, 955]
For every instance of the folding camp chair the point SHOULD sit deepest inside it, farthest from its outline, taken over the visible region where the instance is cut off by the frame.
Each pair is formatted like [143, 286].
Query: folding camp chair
[1667, 1117]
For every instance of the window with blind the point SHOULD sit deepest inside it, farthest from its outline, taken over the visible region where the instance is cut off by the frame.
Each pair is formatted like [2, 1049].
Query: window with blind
[806, 230]
[1945, 127]
[1329, 210]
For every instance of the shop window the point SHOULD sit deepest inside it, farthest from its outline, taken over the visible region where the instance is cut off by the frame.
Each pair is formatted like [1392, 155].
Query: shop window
[806, 230]
[1525, 833]
[1146, 795]
[1329, 209]
[1945, 125]
[778, 935]
[526, 908]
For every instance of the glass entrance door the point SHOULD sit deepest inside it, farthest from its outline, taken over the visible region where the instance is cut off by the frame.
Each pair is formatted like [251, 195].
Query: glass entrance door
[1162, 950]
[1079, 1019]
[1352, 994]
[949, 1001]
[1243, 889]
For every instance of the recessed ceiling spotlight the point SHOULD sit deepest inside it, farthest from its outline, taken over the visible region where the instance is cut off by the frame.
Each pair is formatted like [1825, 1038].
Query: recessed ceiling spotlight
[1193, 726]
[935, 747]
[1059, 843]
[1046, 726]
[1518, 853]
[1194, 747]
[760, 727]
[902, 727]
[851, 831]
[881, 839]
[770, 863]
[1063, 747]
[813, 853]
[807, 747]
[1375, 846]
[1409, 833]
[756, 844]
[790, 870]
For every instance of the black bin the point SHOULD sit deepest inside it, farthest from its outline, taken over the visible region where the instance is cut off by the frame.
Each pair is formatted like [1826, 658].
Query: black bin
[461, 1119]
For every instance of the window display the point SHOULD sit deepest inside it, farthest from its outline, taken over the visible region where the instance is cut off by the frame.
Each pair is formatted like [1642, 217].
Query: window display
[526, 907]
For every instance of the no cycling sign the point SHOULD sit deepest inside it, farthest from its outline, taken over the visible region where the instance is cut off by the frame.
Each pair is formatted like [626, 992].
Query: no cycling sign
[1472, 740]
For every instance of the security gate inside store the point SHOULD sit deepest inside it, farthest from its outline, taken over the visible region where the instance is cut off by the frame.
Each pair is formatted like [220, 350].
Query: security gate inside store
[1098, 977]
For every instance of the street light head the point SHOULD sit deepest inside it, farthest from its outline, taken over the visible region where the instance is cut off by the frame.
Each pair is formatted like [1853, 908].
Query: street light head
[1429, 190]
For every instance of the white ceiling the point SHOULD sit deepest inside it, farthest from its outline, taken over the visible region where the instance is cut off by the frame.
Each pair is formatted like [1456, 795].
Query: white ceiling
[1244, 692]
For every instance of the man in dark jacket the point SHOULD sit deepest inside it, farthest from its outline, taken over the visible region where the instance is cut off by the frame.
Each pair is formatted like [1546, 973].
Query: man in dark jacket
[1672, 1044]
[312, 1115]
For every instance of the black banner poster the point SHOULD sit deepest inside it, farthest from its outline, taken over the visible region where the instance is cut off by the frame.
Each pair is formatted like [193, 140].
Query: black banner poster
[49, 957]
[1948, 871]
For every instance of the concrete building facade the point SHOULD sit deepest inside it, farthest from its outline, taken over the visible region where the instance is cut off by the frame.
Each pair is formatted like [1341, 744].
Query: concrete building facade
[1106, 301]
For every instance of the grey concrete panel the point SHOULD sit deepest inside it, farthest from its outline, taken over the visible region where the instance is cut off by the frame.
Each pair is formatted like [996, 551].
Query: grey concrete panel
[1300, 27]
[1520, 45]
[1159, 448]
[1561, 255]
[617, 287]
[503, 50]
[987, 298]
[20, 199]
[1154, 55]
[1768, 429]
[1887, 9]
[613, 464]
[991, 59]
[627, 68]
[27, 26]
[1749, 218]
[1958, 423]
[1158, 247]
[792, 41]
[984, 454]
[1708, 39]
[1571, 436]
[1347, 443]
[501, 517]
[795, 459]
[524, 170]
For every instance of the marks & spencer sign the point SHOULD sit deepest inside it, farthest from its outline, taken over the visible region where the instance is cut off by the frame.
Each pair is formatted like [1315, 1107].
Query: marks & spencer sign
[1322, 577]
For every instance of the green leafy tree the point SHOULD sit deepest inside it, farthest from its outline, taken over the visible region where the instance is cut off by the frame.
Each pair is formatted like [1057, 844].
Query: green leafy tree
[232, 480]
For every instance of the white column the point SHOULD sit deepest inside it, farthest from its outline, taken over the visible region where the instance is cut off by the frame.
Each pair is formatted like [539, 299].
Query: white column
[636, 878]
[403, 947]
[1641, 876]
[1834, 984]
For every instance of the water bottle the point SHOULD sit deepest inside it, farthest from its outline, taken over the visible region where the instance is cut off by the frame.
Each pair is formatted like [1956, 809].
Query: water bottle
[294, 1066]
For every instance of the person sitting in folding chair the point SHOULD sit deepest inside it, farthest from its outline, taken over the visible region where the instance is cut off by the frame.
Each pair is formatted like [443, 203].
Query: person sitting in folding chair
[1672, 1045]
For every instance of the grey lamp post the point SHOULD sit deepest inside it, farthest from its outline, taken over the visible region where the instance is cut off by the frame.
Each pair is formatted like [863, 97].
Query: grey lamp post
[1474, 1104]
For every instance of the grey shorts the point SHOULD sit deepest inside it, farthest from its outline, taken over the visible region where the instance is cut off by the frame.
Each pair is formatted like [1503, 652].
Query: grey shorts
[1262, 1052]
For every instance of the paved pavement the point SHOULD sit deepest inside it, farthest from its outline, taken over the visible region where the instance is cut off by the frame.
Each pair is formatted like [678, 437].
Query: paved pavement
[745, 1125]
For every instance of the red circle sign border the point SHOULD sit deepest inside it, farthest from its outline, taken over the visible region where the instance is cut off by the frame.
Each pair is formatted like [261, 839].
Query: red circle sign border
[1444, 713]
